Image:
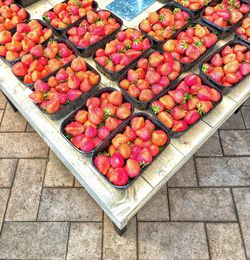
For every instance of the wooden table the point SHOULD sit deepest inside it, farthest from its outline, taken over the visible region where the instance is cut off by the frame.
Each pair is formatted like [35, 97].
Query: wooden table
[120, 205]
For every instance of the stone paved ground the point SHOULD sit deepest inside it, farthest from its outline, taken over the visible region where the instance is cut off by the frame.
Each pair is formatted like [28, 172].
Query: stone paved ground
[202, 213]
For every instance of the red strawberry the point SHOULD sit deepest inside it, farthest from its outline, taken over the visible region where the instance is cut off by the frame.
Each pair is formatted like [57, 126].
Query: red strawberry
[144, 156]
[90, 131]
[133, 168]
[103, 132]
[116, 160]
[192, 79]
[203, 94]
[87, 144]
[74, 128]
[144, 134]
[179, 126]
[118, 176]
[192, 116]
[214, 95]
[217, 60]
[178, 95]
[178, 113]
[204, 107]
[73, 94]
[101, 162]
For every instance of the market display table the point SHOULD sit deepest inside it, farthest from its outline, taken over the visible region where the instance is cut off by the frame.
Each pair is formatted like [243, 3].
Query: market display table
[120, 205]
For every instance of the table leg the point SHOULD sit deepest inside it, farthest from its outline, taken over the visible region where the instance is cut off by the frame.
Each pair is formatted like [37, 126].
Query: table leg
[11, 104]
[119, 231]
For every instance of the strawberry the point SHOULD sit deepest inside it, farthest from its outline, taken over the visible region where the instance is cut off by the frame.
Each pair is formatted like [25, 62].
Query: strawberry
[178, 113]
[179, 126]
[157, 107]
[133, 168]
[217, 60]
[191, 117]
[159, 137]
[87, 144]
[178, 95]
[118, 176]
[166, 119]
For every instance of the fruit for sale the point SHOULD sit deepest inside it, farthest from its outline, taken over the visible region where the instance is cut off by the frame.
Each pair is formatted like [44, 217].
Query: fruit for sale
[94, 28]
[11, 16]
[42, 61]
[193, 5]
[97, 120]
[191, 43]
[162, 24]
[244, 29]
[184, 105]
[150, 76]
[229, 66]
[66, 88]
[120, 52]
[226, 12]
[15, 45]
[68, 12]
[131, 150]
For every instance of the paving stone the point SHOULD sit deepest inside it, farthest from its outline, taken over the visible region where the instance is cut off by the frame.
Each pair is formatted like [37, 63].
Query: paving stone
[24, 145]
[85, 241]
[26, 191]
[226, 171]
[29, 128]
[246, 115]
[235, 142]
[242, 201]
[34, 240]
[4, 195]
[247, 103]
[119, 247]
[234, 122]
[57, 175]
[211, 148]
[159, 240]
[185, 177]
[68, 204]
[7, 171]
[77, 184]
[156, 209]
[206, 204]
[12, 121]
[2, 100]
[225, 241]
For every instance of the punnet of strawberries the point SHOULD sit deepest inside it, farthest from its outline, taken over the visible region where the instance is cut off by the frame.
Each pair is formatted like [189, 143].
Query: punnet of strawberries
[131, 150]
[191, 43]
[186, 104]
[162, 24]
[193, 5]
[42, 61]
[244, 29]
[95, 27]
[66, 13]
[15, 45]
[120, 52]
[11, 16]
[151, 76]
[66, 86]
[229, 66]
[101, 116]
[226, 13]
